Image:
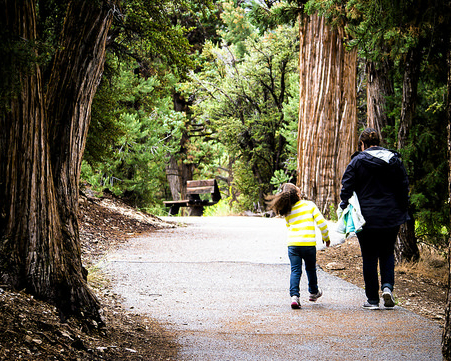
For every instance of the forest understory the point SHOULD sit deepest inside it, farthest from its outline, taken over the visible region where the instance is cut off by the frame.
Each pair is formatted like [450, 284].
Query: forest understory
[31, 329]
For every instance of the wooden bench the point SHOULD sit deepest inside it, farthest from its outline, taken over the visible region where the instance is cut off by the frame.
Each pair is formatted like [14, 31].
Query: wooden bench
[194, 189]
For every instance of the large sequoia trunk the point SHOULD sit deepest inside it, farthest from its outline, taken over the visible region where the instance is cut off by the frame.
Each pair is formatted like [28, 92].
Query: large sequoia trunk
[41, 147]
[327, 134]
[406, 245]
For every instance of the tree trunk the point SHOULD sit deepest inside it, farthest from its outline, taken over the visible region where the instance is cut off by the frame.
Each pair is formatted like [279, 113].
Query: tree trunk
[180, 171]
[406, 245]
[446, 339]
[406, 248]
[40, 155]
[409, 96]
[173, 177]
[379, 88]
[327, 134]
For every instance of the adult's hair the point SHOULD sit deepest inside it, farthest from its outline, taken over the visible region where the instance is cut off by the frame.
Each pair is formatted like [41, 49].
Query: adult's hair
[282, 202]
[369, 137]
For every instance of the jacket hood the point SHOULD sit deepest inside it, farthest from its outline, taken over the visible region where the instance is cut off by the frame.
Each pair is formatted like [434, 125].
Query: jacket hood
[381, 153]
[379, 157]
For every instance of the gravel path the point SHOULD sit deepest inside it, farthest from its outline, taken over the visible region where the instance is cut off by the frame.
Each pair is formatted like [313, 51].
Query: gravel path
[222, 284]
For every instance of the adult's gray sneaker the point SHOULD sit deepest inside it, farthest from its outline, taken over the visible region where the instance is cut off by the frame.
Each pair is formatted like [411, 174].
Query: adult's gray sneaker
[370, 306]
[387, 295]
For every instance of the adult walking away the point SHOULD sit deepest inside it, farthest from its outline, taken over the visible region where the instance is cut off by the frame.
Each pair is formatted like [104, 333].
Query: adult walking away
[379, 178]
[301, 216]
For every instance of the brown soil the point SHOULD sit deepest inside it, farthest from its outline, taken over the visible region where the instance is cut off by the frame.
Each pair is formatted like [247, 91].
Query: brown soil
[31, 329]
[423, 292]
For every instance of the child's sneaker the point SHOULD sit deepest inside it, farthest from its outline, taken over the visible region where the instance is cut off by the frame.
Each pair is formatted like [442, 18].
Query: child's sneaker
[295, 304]
[314, 296]
[389, 301]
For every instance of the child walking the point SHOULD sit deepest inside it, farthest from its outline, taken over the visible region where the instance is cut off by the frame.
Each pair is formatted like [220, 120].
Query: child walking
[302, 217]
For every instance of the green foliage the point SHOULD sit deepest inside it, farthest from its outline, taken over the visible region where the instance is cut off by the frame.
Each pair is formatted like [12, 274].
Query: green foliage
[51, 15]
[131, 161]
[105, 128]
[157, 33]
[333, 213]
[246, 186]
[279, 178]
[209, 158]
[269, 14]
[242, 96]
[289, 130]
[225, 207]
[383, 28]
[237, 27]
[426, 160]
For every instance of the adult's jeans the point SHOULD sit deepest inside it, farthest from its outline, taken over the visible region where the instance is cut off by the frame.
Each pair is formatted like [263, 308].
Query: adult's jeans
[296, 255]
[377, 246]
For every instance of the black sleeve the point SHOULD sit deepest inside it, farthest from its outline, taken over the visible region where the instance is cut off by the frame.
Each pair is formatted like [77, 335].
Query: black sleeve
[348, 184]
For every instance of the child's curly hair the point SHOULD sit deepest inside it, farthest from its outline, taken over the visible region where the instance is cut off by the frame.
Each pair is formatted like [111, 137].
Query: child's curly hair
[282, 202]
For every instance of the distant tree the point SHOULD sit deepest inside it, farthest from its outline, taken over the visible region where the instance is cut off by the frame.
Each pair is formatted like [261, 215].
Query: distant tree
[379, 91]
[406, 245]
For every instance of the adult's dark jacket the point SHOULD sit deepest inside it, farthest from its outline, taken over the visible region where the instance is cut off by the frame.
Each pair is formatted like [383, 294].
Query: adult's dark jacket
[379, 178]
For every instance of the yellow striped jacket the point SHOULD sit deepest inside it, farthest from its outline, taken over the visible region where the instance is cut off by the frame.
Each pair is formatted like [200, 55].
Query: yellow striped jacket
[301, 222]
